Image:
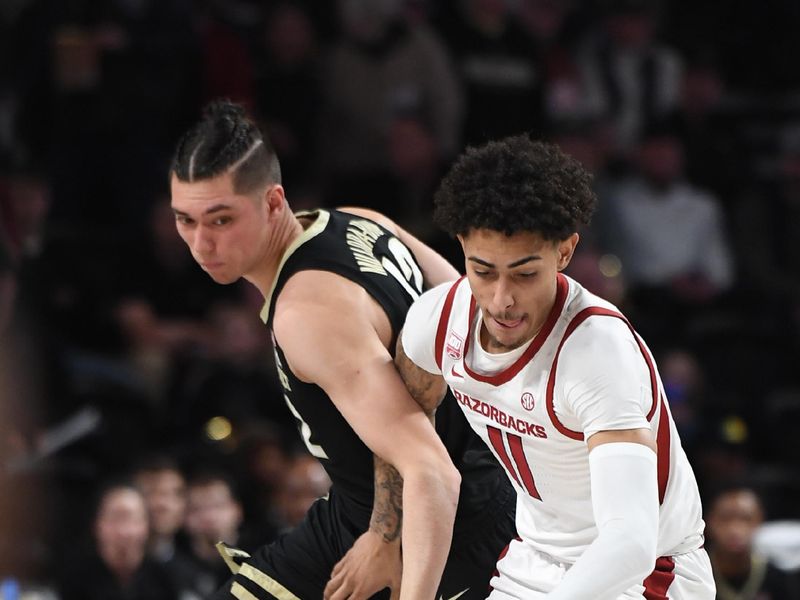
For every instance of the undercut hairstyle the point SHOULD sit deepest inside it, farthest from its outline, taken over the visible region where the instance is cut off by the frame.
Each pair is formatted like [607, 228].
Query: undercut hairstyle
[515, 185]
[226, 140]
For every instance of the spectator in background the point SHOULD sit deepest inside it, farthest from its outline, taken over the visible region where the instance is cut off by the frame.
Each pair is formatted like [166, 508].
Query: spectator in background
[163, 486]
[767, 222]
[214, 514]
[709, 131]
[162, 303]
[287, 89]
[118, 568]
[225, 31]
[734, 514]
[119, 76]
[385, 82]
[263, 455]
[500, 67]
[629, 78]
[306, 481]
[232, 378]
[670, 236]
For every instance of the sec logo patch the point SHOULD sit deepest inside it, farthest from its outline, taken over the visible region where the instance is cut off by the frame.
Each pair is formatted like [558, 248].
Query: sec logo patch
[527, 401]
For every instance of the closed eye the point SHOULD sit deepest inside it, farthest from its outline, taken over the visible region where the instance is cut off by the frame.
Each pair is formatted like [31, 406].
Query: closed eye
[184, 220]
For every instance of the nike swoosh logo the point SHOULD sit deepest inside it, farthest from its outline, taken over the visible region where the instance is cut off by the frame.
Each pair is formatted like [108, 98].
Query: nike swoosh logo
[457, 596]
[455, 373]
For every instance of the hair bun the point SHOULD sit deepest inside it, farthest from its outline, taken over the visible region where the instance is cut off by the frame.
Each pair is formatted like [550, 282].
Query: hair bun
[224, 109]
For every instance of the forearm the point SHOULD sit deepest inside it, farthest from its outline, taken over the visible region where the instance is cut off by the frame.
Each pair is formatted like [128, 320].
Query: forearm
[387, 509]
[625, 503]
[430, 498]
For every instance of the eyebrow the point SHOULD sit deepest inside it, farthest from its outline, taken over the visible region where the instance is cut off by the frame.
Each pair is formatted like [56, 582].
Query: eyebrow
[511, 265]
[210, 211]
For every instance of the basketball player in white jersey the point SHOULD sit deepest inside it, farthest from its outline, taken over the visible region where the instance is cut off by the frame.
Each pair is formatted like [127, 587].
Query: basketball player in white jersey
[559, 386]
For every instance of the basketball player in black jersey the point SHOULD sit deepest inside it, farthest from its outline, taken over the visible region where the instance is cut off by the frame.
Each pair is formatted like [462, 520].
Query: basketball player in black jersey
[337, 285]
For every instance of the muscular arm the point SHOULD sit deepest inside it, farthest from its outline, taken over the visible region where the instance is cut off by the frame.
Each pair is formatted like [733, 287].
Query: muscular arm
[363, 383]
[374, 559]
[428, 391]
[625, 504]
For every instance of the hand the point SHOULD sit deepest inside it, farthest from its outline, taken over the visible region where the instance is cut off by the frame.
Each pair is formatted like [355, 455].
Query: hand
[371, 565]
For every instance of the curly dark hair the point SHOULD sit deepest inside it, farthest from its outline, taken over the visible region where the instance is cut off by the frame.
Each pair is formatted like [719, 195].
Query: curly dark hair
[226, 139]
[512, 185]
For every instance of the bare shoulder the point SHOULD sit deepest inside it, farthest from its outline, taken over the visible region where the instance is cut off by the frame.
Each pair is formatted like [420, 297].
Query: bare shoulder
[309, 300]
[318, 314]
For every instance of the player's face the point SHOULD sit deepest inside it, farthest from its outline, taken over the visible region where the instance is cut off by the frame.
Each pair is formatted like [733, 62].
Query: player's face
[227, 232]
[513, 279]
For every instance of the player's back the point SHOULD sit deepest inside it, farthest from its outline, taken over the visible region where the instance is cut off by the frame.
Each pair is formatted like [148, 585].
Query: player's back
[365, 253]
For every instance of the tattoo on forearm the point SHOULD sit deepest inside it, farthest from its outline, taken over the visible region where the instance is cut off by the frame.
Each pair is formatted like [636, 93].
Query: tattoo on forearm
[387, 510]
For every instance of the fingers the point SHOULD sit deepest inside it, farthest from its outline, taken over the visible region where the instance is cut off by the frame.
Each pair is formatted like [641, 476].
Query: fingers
[336, 589]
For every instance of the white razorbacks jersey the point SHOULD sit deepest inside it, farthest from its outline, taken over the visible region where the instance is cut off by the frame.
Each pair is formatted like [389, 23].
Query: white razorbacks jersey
[585, 371]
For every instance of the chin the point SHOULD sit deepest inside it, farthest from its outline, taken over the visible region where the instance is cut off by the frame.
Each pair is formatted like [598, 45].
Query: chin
[224, 279]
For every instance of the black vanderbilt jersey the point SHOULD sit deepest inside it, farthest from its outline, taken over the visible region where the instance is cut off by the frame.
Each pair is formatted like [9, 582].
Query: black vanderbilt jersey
[364, 252]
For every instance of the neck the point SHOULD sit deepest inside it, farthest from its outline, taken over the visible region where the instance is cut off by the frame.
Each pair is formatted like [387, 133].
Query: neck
[286, 231]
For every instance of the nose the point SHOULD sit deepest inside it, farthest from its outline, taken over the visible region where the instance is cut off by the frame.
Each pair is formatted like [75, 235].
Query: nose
[202, 242]
[502, 297]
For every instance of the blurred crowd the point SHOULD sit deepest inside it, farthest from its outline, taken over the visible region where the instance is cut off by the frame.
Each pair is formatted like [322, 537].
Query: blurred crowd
[140, 420]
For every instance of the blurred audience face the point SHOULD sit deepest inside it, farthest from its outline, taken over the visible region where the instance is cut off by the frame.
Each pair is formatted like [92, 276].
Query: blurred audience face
[661, 159]
[268, 464]
[630, 30]
[121, 530]
[237, 335]
[732, 521]
[701, 90]
[305, 482]
[165, 496]
[290, 35]
[213, 514]
[367, 20]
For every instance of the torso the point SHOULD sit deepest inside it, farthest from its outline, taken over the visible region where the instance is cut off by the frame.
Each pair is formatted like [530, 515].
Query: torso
[528, 414]
[366, 260]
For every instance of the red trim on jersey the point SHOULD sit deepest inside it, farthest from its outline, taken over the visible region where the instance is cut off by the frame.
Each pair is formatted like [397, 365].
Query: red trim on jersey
[551, 381]
[663, 442]
[573, 325]
[657, 583]
[444, 319]
[662, 435]
[562, 288]
[496, 438]
[651, 367]
[515, 443]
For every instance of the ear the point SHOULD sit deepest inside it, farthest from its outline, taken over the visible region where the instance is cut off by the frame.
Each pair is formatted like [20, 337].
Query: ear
[566, 248]
[274, 198]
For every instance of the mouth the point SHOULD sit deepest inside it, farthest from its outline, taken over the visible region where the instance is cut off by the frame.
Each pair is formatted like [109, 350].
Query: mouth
[508, 323]
[210, 266]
